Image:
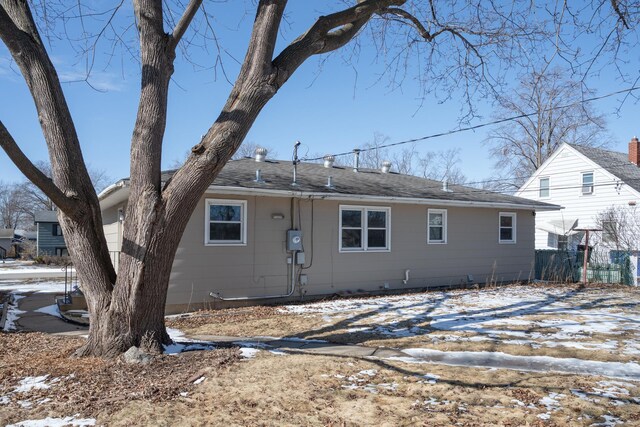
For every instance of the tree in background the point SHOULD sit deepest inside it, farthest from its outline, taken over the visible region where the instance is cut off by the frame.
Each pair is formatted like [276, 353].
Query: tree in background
[549, 112]
[462, 49]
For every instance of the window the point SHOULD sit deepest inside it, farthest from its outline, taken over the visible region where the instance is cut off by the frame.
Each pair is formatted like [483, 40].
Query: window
[587, 183]
[437, 226]
[364, 229]
[609, 232]
[544, 187]
[56, 230]
[62, 252]
[225, 222]
[507, 228]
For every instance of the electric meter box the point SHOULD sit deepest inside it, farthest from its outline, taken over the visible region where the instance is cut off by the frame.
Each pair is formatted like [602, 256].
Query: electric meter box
[294, 240]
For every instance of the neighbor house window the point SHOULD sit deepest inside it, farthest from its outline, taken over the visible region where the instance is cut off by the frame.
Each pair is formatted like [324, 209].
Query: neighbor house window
[544, 187]
[57, 230]
[587, 183]
[225, 222]
[437, 226]
[609, 234]
[364, 228]
[507, 227]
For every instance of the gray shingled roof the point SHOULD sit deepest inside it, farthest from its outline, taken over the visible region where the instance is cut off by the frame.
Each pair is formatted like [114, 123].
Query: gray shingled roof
[46, 216]
[312, 178]
[616, 163]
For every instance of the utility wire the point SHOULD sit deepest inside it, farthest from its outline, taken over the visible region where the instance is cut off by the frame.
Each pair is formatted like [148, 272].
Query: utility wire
[481, 125]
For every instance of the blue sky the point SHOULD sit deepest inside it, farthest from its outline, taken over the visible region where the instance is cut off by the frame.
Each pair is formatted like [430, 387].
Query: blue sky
[328, 107]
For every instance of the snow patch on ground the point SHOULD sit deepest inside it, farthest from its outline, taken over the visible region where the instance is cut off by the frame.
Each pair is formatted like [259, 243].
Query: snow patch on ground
[57, 422]
[13, 313]
[629, 371]
[39, 286]
[51, 310]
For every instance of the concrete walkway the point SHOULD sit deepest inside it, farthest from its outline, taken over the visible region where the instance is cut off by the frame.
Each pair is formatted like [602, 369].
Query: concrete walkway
[313, 347]
[36, 321]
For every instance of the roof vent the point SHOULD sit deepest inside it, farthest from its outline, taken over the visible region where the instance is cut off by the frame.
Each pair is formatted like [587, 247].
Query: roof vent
[259, 179]
[261, 154]
[356, 159]
[445, 185]
[329, 182]
[386, 166]
[329, 159]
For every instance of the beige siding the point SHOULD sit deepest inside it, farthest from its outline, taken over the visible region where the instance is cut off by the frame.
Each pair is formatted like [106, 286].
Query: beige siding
[112, 234]
[260, 267]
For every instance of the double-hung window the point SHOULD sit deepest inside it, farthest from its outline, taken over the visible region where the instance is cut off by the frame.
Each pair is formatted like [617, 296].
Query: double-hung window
[364, 228]
[544, 188]
[437, 226]
[225, 222]
[587, 183]
[507, 227]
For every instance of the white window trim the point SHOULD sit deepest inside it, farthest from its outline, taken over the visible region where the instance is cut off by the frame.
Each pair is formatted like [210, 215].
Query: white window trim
[513, 227]
[444, 227]
[548, 187]
[243, 222]
[364, 210]
[593, 183]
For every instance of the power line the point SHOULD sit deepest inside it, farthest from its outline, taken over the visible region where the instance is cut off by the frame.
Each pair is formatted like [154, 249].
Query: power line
[482, 125]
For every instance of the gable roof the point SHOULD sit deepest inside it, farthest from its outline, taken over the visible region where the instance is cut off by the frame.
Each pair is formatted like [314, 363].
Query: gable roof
[615, 163]
[239, 176]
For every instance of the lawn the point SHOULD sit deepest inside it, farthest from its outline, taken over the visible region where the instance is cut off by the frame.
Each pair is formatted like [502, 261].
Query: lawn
[511, 356]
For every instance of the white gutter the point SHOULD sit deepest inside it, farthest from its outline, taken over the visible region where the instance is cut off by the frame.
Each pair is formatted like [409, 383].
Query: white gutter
[113, 188]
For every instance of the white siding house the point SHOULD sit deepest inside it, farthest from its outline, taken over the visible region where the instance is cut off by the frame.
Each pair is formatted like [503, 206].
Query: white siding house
[585, 181]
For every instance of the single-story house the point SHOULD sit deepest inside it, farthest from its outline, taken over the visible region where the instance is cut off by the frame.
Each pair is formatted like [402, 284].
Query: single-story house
[49, 238]
[257, 235]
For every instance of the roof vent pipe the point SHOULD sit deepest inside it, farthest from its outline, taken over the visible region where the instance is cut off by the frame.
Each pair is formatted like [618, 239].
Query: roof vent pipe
[261, 154]
[329, 160]
[295, 163]
[445, 185]
[259, 177]
[386, 166]
[329, 182]
[356, 159]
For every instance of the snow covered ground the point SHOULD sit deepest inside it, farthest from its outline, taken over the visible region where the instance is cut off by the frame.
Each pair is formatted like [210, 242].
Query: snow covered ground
[537, 317]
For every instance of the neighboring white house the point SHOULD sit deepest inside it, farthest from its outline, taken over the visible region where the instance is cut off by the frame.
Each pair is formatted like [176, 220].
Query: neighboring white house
[586, 182]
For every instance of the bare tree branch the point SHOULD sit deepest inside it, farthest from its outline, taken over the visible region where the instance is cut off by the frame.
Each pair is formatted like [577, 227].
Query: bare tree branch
[183, 24]
[35, 175]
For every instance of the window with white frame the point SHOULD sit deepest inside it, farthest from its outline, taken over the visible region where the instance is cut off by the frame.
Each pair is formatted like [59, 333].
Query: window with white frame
[437, 226]
[587, 183]
[544, 187]
[364, 228]
[225, 222]
[507, 227]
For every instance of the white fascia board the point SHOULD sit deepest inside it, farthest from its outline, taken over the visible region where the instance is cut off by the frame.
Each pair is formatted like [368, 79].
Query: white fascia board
[378, 199]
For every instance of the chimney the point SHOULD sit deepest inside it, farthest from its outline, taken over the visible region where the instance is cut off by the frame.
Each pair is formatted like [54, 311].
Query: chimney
[356, 159]
[328, 160]
[261, 154]
[634, 151]
[386, 166]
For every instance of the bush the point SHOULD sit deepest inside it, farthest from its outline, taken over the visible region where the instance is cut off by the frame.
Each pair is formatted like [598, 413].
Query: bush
[52, 260]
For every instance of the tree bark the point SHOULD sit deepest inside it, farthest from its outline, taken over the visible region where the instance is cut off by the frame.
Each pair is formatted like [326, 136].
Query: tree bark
[128, 309]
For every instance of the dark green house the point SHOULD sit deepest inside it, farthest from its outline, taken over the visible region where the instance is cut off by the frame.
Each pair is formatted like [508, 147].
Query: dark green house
[49, 238]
